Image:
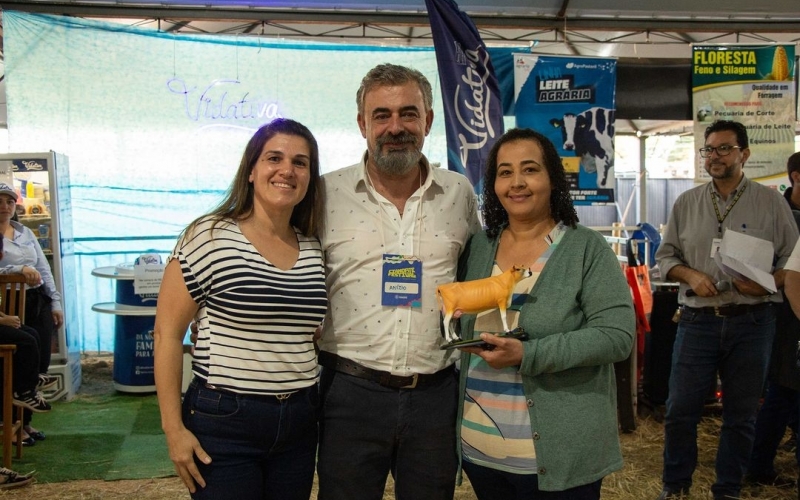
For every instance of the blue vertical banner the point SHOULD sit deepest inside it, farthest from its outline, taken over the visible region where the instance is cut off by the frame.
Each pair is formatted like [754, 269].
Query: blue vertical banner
[571, 100]
[473, 109]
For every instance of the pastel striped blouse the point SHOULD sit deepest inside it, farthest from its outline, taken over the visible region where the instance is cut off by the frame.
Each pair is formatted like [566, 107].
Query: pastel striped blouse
[496, 427]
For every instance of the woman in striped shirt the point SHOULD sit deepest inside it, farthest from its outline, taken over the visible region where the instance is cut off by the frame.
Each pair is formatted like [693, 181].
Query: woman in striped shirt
[250, 274]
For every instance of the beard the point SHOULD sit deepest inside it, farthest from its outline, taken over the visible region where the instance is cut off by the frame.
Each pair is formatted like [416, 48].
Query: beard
[726, 173]
[396, 163]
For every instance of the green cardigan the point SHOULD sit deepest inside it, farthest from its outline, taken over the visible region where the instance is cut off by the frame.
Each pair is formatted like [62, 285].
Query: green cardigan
[580, 318]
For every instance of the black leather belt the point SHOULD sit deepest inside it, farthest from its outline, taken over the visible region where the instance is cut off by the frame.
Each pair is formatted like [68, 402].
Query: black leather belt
[386, 379]
[730, 309]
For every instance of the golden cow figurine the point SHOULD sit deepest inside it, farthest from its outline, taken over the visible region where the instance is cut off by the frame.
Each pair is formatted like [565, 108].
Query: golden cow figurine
[472, 297]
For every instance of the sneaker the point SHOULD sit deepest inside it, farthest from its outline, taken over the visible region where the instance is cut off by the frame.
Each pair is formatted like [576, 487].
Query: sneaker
[32, 400]
[46, 381]
[10, 479]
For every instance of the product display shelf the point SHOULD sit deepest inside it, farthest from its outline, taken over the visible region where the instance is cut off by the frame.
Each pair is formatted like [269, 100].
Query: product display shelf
[133, 340]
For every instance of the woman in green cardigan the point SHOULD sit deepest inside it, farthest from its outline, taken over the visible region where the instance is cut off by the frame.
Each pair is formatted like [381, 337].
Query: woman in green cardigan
[537, 418]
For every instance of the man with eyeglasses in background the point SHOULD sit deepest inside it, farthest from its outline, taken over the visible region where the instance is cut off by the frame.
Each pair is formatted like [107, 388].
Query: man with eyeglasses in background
[725, 325]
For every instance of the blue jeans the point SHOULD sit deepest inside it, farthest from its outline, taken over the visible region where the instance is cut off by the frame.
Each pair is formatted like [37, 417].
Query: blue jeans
[738, 347]
[491, 484]
[367, 431]
[261, 447]
[780, 405]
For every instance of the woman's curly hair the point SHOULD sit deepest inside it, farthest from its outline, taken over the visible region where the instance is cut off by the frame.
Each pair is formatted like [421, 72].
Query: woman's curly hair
[495, 216]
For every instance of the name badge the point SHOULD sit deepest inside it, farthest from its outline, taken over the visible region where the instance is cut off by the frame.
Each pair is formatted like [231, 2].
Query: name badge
[715, 244]
[401, 282]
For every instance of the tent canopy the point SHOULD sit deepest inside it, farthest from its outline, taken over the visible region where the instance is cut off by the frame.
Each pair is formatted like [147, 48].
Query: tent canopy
[653, 43]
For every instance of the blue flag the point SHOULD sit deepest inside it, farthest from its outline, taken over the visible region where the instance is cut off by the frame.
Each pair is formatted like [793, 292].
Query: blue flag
[473, 109]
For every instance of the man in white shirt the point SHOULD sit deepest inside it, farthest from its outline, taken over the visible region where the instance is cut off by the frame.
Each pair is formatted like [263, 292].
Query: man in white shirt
[393, 231]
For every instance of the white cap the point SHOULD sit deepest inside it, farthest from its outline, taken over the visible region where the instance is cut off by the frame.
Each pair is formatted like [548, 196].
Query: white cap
[8, 190]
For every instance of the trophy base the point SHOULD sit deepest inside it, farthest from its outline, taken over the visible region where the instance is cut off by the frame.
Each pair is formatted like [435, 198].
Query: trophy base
[516, 333]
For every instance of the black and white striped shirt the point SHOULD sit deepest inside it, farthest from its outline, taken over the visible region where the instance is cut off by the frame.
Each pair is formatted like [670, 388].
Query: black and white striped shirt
[255, 320]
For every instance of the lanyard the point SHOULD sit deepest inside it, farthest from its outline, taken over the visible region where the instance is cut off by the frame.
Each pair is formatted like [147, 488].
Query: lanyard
[721, 218]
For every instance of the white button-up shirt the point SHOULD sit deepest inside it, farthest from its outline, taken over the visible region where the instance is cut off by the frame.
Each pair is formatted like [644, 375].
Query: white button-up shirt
[360, 226]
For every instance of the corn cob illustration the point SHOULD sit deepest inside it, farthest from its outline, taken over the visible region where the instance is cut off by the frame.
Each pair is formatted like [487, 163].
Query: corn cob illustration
[780, 65]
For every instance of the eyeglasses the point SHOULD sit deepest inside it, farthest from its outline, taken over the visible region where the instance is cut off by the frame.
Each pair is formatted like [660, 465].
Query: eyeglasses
[721, 150]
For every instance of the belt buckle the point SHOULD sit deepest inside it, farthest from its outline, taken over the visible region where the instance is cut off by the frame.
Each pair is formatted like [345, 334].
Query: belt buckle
[283, 397]
[413, 384]
[717, 312]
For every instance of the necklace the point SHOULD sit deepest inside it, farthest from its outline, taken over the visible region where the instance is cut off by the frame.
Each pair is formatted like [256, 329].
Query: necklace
[524, 250]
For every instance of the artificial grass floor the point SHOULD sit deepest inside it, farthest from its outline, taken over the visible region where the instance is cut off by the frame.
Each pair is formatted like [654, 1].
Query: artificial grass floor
[105, 437]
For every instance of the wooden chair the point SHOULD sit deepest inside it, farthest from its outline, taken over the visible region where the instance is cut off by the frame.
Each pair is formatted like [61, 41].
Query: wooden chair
[12, 302]
[6, 354]
[12, 295]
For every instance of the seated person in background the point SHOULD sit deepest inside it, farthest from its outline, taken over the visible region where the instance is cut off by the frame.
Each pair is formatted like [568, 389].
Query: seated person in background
[28, 381]
[538, 418]
[23, 254]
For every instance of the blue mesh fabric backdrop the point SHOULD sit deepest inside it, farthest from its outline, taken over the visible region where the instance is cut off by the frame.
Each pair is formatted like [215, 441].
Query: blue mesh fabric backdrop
[154, 124]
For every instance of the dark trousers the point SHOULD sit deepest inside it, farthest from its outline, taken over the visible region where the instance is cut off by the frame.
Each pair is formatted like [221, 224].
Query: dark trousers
[261, 447]
[780, 406]
[368, 431]
[26, 357]
[492, 484]
[27, 415]
[738, 348]
[39, 316]
[26, 360]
